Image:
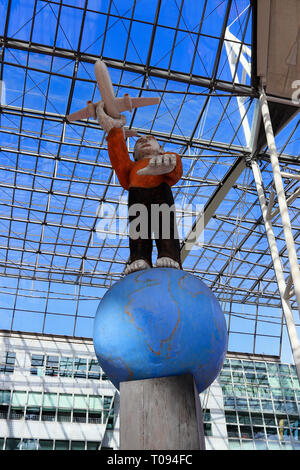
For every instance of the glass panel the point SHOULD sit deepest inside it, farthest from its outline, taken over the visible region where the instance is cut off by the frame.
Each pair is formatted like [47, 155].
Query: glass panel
[239, 391]
[232, 431]
[246, 432]
[61, 445]
[95, 402]
[93, 369]
[272, 368]
[254, 405]
[52, 365]
[256, 418]
[29, 444]
[80, 402]
[272, 433]
[230, 417]
[80, 365]
[94, 417]
[252, 391]
[284, 369]
[264, 392]
[66, 367]
[286, 382]
[262, 379]
[270, 420]
[247, 445]
[229, 402]
[108, 417]
[65, 400]
[1, 443]
[236, 363]
[50, 400]
[37, 360]
[244, 418]
[4, 397]
[274, 382]
[251, 378]
[34, 398]
[241, 403]
[64, 416]
[77, 445]
[12, 444]
[48, 415]
[291, 407]
[93, 445]
[16, 413]
[266, 405]
[32, 413]
[19, 398]
[279, 406]
[3, 412]
[45, 444]
[260, 366]
[260, 444]
[259, 432]
[234, 444]
[249, 366]
[238, 377]
[107, 402]
[79, 417]
[7, 364]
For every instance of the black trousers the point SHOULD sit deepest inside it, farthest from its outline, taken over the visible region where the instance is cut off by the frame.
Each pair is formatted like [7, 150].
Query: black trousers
[150, 200]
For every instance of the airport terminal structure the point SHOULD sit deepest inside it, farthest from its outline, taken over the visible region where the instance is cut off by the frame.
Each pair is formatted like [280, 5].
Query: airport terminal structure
[214, 88]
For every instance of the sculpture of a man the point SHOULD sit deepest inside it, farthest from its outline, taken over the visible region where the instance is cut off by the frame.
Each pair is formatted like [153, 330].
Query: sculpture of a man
[148, 180]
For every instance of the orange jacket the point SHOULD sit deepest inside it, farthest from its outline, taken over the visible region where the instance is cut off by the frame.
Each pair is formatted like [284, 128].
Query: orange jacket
[126, 169]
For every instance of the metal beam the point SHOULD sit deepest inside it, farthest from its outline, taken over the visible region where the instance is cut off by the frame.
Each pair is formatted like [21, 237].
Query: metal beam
[197, 80]
[288, 314]
[210, 208]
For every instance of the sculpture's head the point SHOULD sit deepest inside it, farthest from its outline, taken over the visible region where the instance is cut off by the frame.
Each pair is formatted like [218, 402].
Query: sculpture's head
[146, 147]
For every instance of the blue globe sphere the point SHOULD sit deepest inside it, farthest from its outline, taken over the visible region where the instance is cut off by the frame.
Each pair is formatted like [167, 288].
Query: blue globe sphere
[160, 322]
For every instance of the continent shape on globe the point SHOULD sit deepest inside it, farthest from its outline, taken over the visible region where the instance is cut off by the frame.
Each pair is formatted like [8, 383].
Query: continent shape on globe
[160, 322]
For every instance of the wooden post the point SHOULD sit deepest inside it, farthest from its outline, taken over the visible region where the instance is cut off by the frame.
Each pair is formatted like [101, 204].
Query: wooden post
[161, 414]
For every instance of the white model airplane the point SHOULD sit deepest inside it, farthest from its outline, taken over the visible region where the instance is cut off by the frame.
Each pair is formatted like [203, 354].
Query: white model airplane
[113, 106]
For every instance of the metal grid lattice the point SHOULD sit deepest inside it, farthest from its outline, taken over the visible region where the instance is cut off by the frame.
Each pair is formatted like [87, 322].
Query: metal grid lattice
[56, 178]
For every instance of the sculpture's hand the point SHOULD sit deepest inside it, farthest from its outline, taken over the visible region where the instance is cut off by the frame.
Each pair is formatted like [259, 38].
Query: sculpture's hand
[159, 165]
[107, 122]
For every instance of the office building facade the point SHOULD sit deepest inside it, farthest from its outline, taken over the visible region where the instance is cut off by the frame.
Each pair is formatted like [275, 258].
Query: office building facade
[54, 396]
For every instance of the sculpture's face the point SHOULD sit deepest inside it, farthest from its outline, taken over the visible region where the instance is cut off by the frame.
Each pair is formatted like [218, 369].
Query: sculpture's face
[146, 147]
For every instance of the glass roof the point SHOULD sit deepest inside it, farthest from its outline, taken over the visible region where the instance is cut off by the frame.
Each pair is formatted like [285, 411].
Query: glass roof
[60, 247]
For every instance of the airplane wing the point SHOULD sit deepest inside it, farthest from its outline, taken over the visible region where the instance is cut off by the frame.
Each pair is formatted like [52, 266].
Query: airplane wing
[126, 103]
[85, 113]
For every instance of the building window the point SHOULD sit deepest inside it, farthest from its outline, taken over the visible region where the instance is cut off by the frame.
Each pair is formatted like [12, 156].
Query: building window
[93, 370]
[45, 444]
[32, 413]
[16, 413]
[7, 362]
[29, 444]
[66, 367]
[80, 368]
[52, 366]
[63, 416]
[77, 445]
[4, 397]
[73, 367]
[61, 445]
[3, 412]
[37, 364]
[12, 444]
